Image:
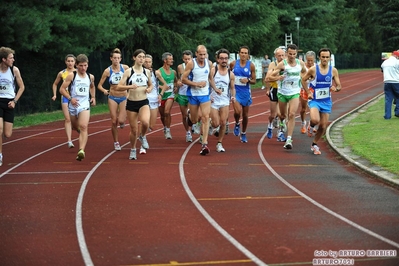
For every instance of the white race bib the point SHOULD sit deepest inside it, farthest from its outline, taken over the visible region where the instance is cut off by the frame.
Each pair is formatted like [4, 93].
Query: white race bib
[82, 89]
[322, 93]
[6, 88]
[238, 82]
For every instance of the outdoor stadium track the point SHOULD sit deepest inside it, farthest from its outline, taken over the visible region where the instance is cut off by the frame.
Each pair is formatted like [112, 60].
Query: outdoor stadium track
[255, 204]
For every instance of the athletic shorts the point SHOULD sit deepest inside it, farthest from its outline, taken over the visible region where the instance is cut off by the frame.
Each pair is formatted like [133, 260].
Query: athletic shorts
[134, 106]
[75, 111]
[6, 113]
[322, 106]
[197, 100]
[304, 95]
[182, 100]
[118, 100]
[163, 102]
[219, 105]
[244, 97]
[63, 99]
[286, 98]
[153, 105]
[273, 94]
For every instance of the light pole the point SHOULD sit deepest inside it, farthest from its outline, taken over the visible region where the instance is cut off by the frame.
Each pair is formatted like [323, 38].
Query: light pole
[297, 19]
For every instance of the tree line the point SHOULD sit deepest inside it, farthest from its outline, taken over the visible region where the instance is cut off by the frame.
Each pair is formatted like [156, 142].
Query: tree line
[43, 32]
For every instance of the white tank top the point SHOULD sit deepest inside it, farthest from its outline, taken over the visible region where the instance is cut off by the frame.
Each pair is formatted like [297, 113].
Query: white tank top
[291, 84]
[200, 74]
[7, 85]
[222, 82]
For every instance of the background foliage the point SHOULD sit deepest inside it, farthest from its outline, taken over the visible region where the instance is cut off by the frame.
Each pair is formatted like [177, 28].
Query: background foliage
[43, 32]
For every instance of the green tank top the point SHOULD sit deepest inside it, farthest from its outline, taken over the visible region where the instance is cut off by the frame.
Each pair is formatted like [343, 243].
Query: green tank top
[169, 79]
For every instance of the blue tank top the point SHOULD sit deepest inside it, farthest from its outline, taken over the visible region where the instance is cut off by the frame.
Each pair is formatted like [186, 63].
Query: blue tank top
[115, 77]
[322, 84]
[242, 72]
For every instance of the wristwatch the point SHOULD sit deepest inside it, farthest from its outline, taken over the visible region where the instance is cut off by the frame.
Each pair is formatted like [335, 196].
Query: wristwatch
[15, 101]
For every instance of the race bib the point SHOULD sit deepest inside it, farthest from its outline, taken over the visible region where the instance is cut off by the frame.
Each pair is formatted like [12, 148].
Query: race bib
[82, 89]
[238, 82]
[6, 88]
[170, 87]
[115, 78]
[322, 93]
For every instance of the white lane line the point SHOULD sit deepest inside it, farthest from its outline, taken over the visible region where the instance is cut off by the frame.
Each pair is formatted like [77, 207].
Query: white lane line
[45, 132]
[208, 217]
[340, 217]
[45, 173]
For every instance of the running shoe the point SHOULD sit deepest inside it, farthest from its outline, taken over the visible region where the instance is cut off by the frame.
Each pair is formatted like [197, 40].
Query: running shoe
[204, 150]
[263, 87]
[117, 146]
[303, 128]
[288, 144]
[1, 160]
[197, 128]
[275, 122]
[283, 126]
[269, 133]
[315, 149]
[227, 128]
[142, 150]
[70, 145]
[314, 130]
[237, 130]
[310, 131]
[281, 137]
[216, 132]
[219, 147]
[243, 138]
[81, 155]
[144, 142]
[168, 135]
[189, 138]
[132, 155]
[121, 125]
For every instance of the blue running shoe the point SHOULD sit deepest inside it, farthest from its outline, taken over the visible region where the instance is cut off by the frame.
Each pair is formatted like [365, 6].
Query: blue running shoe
[269, 133]
[281, 137]
[243, 138]
[237, 130]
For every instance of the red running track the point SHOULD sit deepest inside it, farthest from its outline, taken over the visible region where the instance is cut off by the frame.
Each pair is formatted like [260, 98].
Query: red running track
[255, 204]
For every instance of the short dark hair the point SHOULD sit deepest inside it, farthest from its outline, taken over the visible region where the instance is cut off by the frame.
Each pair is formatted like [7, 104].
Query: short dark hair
[325, 49]
[244, 47]
[187, 52]
[292, 47]
[222, 51]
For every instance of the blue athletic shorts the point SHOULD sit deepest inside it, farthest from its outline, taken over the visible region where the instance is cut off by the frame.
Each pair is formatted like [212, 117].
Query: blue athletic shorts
[118, 100]
[244, 97]
[197, 100]
[322, 106]
[64, 100]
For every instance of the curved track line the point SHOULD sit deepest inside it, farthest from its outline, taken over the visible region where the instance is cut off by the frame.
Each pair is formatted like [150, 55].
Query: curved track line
[208, 217]
[285, 182]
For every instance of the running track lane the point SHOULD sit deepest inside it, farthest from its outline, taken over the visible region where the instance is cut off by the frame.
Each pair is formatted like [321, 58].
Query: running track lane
[138, 212]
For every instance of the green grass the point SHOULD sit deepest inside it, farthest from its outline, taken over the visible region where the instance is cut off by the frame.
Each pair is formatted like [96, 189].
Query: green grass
[372, 137]
[43, 118]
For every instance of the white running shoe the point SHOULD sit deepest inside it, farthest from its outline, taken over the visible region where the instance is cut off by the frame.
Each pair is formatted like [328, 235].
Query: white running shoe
[132, 155]
[144, 142]
[189, 138]
[219, 147]
[142, 150]
[168, 135]
[70, 145]
[117, 146]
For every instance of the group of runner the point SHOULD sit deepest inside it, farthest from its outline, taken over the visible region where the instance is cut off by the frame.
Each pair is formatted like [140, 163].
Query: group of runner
[204, 92]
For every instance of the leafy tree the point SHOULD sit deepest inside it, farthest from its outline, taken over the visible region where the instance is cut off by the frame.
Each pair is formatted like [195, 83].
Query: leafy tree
[387, 14]
[60, 27]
